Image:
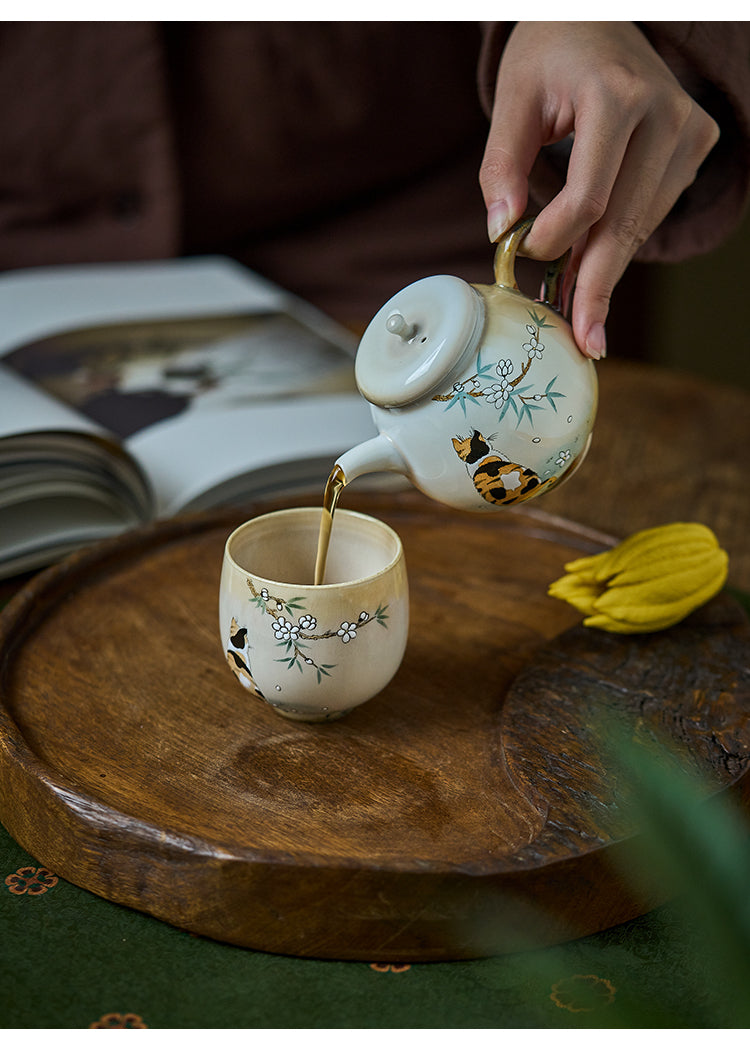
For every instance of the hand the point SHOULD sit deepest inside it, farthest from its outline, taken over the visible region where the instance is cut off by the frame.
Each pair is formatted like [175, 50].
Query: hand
[639, 140]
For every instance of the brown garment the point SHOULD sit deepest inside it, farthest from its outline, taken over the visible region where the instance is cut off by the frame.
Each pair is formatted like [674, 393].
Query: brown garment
[339, 159]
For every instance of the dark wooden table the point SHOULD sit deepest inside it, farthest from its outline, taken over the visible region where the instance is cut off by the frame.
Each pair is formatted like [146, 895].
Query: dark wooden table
[667, 447]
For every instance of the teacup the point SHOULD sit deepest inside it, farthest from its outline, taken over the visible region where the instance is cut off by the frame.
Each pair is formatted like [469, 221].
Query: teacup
[313, 652]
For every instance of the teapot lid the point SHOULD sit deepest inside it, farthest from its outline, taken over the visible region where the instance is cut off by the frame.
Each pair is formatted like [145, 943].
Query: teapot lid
[417, 339]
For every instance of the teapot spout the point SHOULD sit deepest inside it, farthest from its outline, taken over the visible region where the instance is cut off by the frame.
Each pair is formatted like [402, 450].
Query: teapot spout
[377, 454]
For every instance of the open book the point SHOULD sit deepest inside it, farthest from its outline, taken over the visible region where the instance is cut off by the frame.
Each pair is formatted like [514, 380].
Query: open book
[139, 390]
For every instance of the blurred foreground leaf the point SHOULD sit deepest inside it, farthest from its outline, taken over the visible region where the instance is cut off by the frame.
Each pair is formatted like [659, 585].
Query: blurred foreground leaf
[698, 846]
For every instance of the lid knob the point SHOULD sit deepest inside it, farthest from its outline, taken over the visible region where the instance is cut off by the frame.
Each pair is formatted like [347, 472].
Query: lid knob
[396, 324]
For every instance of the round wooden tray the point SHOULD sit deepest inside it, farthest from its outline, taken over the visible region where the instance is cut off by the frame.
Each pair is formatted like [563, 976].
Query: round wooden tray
[461, 812]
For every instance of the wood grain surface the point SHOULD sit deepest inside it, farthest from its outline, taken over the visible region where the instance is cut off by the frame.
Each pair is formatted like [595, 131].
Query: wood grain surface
[465, 810]
[667, 447]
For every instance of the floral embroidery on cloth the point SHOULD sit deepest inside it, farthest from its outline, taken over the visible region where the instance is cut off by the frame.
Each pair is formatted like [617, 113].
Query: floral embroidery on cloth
[396, 967]
[582, 993]
[30, 880]
[114, 1020]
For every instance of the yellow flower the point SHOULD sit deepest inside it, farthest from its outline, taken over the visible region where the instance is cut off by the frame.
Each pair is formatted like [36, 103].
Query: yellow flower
[651, 580]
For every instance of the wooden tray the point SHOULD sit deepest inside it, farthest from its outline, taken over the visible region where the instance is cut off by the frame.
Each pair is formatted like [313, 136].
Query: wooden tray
[462, 812]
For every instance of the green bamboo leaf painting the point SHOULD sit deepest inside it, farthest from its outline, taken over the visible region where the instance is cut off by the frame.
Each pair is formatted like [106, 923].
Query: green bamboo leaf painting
[540, 320]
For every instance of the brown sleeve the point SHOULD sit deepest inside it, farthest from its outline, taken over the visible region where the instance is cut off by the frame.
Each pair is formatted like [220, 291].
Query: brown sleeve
[712, 62]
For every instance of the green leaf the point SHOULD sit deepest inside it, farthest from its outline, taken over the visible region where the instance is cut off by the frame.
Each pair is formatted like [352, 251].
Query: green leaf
[482, 369]
[525, 413]
[698, 847]
[504, 409]
[540, 320]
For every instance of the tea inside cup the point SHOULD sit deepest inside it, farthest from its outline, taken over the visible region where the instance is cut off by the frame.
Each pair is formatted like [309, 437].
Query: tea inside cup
[313, 652]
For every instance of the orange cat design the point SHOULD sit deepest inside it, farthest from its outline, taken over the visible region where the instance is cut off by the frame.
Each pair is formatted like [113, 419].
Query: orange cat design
[496, 478]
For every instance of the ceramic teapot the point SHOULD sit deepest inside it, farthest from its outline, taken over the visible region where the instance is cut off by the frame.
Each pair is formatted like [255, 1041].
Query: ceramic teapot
[479, 393]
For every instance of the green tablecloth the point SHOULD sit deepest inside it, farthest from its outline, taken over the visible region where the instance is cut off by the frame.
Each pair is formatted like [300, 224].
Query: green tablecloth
[70, 959]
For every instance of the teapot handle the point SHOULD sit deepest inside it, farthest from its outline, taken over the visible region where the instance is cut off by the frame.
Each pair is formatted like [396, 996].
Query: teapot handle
[505, 258]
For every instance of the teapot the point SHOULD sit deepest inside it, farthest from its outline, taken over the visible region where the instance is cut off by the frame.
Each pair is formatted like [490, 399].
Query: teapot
[479, 394]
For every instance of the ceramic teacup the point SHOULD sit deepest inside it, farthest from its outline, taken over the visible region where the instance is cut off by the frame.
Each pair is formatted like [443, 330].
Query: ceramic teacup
[313, 652]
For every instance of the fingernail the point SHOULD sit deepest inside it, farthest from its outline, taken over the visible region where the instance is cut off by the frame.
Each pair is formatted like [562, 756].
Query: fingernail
[497, 220]
[596, 342]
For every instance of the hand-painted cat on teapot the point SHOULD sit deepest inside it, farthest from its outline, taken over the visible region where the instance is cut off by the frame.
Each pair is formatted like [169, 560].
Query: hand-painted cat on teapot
[480, 395]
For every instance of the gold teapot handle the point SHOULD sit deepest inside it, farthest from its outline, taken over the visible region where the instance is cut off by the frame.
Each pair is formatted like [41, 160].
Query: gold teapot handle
[505, 261]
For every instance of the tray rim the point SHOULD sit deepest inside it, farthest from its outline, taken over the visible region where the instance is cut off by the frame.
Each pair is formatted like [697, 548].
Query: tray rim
[19, 763]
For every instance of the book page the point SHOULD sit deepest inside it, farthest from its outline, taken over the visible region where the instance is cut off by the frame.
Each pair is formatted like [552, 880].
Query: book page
[203, 403]
[215, 383]
[40, 302]
[129, 376]
[24, 407]
[58, 524]
[274, 447]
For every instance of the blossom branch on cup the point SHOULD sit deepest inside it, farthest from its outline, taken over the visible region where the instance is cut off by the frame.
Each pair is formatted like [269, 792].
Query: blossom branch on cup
[293, 635]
